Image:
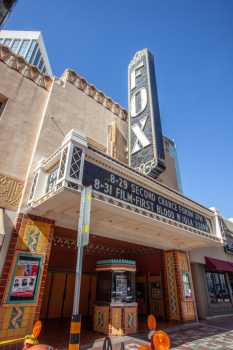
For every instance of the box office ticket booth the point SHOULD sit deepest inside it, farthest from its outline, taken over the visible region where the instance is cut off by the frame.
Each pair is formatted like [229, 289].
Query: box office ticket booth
[115, 311]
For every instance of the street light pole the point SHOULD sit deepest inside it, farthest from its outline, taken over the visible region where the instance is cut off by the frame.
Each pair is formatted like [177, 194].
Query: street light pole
[82, 241]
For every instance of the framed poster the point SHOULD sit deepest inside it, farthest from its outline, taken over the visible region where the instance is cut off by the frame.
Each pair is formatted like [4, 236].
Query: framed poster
[25, 279]
[186, 285]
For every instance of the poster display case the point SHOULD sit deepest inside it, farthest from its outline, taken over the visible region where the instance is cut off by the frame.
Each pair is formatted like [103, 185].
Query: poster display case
[26, 277]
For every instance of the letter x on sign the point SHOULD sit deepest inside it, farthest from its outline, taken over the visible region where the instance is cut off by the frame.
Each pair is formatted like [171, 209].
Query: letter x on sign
[141, 139]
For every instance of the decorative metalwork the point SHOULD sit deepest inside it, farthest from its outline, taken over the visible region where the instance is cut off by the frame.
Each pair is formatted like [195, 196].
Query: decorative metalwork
[63, 242]
[52, 179]
[72, 185]
[63, 163]
[33, 186]
[75, 164]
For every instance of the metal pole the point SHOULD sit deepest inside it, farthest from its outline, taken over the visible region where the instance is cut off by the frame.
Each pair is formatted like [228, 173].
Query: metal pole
[82, 240]
[78, 278]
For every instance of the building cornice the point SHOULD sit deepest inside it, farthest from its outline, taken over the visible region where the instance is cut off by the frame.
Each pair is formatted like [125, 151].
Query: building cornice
[27, 70]
[81, 83]
[31, 72]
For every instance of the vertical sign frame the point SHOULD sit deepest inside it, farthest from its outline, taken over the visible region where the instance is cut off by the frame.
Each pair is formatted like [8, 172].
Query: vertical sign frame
[146, 150]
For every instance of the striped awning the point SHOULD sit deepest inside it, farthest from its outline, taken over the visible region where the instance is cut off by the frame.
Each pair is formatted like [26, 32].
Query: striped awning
[2, 226]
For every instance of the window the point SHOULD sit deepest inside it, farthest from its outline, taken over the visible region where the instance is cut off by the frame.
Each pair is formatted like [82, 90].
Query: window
[7, 42]
[24, 47]
[38, 56]
[52, 178]
[31, 49]
[3, 101]
[41, 64]
[15, 45]
[35, 48]
[217, 287]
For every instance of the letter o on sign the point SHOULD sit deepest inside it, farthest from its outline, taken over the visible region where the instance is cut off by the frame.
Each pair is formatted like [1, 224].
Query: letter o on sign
[142, 95]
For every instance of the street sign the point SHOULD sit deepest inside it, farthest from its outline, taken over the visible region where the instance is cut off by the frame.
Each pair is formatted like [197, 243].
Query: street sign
[84, 218]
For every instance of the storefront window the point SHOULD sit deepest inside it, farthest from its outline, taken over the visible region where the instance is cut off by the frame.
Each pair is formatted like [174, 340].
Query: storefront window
[217, 287]
[230, 275]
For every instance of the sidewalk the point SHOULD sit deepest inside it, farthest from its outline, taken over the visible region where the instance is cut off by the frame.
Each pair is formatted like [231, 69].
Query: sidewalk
[215, 334]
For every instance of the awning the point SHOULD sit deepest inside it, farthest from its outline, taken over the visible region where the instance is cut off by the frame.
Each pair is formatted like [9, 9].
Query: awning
[2, 226]
[218, 265]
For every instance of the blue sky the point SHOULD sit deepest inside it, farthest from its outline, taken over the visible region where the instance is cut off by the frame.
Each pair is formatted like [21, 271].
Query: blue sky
[192, 41]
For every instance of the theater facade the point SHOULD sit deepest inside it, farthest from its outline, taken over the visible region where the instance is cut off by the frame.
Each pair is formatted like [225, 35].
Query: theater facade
[165, 253]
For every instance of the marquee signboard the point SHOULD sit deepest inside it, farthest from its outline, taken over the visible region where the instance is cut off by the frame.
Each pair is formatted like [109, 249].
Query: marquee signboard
[146, 152]
[117, 187]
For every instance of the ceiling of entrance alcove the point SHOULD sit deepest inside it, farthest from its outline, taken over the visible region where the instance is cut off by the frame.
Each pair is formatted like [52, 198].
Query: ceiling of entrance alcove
[112, 221]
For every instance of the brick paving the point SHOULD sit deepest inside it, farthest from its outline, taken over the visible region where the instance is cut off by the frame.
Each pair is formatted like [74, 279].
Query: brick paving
[203, 337]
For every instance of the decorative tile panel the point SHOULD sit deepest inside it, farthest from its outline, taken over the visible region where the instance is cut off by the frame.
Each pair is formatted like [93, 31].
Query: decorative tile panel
[130, 320]
[172, 287]
[34, 236]
[10, 192]
[101, 317]
[16, 321]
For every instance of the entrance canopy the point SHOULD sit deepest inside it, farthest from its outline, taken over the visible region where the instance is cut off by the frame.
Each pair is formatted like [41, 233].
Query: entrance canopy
[126, 205]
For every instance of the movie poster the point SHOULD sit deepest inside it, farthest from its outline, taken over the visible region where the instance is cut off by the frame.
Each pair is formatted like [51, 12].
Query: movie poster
[25, 279]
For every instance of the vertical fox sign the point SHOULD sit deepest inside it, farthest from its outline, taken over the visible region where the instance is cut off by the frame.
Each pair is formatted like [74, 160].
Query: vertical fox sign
[146, 152]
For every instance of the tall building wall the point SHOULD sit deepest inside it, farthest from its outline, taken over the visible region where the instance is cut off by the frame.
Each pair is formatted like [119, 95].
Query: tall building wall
[171, 176]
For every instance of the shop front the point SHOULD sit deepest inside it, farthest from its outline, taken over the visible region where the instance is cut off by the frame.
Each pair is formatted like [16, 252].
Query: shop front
[213, 286]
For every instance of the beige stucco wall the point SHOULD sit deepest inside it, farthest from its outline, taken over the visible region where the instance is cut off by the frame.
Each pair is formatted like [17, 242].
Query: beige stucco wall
[198, 255]
[70, 108]
[19, 121]
[169, 176]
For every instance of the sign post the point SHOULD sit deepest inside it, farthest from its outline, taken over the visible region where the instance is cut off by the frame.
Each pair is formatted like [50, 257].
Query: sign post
[83, 240]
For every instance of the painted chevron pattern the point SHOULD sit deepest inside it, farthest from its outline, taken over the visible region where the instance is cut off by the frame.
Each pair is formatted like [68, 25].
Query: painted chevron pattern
[33, 238]
[16, 317]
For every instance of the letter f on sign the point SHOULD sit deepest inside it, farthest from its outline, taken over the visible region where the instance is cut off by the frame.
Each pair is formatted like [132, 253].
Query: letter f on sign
[141, 139]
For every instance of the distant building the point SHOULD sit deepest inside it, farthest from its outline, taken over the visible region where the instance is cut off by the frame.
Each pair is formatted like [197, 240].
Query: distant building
[30, 45]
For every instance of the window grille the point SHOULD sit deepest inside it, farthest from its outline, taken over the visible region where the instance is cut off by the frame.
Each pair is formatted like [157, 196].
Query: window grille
[75, 164]
[63, 163]
[52, 179]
